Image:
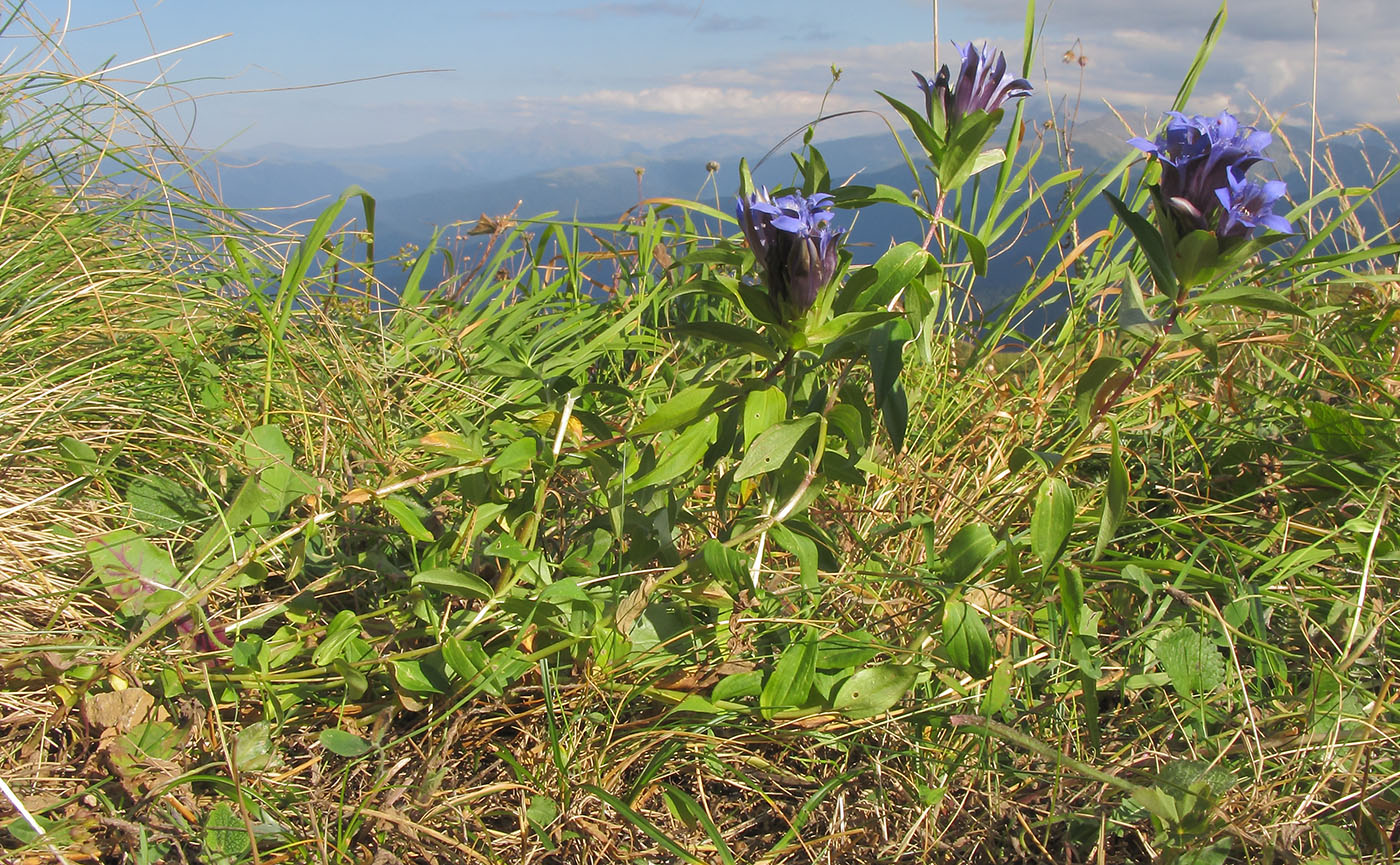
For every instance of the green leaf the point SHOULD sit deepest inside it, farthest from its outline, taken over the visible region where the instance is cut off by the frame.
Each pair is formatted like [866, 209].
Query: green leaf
[894, 416]
[78, 457]
[1095, 381]
[790, 684]
[1133, 316]
[1052, 520]
[454, 582]
[1247, 296]
[133, 571]
[344, 744]
[1192, 661]
[874, 690]
[1196, 254]
[968, 550]
[412, 677]
[803, 548]
[691, 814]
[763, 409]
[724, 333]
[515, 456]
[931, 140]
[1072, 597]
[691, 403]
[225, 838]
[403, 512]
[342, 629]
[738, 685]
[1151, 244]
[253, 749]
[453, 445]
[772, 448]
[873, 287]
[682, 453]
[724, 564]
[966, 640]
[1115, 500]
[887, 356]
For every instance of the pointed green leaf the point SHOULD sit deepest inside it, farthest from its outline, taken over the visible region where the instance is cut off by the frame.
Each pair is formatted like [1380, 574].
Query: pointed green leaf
[1052, 520]
[966, 640]
[771, 450]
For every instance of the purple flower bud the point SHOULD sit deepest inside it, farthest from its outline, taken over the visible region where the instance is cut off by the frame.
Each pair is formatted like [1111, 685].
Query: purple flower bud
[795, 246]
[982, 85]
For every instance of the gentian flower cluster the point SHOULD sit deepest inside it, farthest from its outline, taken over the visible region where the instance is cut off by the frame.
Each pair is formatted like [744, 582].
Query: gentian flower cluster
[794, 243]
[982, 85]
[1203, 186]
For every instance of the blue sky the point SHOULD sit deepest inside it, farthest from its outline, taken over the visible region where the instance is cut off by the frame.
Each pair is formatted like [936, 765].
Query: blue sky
[660, 70]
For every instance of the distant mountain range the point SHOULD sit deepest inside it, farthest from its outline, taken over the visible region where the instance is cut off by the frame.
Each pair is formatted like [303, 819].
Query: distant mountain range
[576, 170]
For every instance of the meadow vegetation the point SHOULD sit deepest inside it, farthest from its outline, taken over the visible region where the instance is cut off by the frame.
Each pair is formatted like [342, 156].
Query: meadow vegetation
[618, 542]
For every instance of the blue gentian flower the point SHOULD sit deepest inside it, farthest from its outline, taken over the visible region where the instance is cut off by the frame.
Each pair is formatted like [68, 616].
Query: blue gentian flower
[1203, 159]
[794, 243]
[982, 85]
[1248, 205]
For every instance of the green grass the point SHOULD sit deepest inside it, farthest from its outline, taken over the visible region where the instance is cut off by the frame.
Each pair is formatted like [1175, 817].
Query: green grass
[289, 579]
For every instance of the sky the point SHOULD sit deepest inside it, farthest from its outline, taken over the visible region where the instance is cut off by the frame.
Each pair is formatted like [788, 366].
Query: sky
[236, 75]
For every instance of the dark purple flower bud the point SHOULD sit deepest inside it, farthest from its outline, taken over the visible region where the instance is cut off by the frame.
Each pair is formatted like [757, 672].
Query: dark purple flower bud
[982, 85]
[794, 243]
[1249, 205]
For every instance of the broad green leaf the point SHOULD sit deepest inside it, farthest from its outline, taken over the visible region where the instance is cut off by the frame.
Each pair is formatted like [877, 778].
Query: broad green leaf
[254, 749]
[1192, 660]
[724, 564]
[998, 690]
[343, 743]
[413, 678]
[968, 550]
[789, 686]
[225, 837]
[342, 629]
[162, 503]
[407, 518]
[737, 686]
[133, 570]
[515, 456]
[682, 453]
[772, 448]
[887, 356]
[79, 457]
[691, 403]
[763, 409]
[873, 287]
[874, 690]
[1051, 520]
[966, 640]
[455, 582]
[1196, 254]
[894, 416]
[803, 548]
[1072, 598]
